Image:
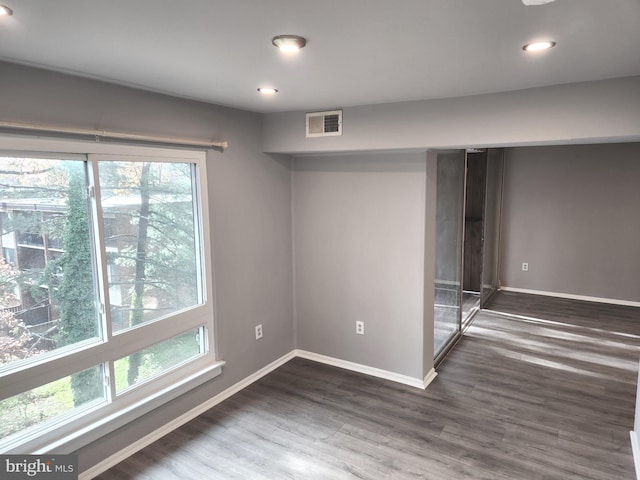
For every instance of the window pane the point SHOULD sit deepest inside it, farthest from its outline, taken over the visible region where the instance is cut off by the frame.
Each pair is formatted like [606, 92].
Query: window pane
[151, 240]
[147, 363]
[35, 407]
[47, 296]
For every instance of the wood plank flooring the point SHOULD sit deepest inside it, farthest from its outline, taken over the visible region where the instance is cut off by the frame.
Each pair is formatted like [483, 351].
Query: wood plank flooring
[546, 392]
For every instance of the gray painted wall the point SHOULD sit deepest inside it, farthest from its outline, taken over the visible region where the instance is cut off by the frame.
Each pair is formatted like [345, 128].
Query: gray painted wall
[361, 223]
[636, 421]
[250, 196]
[571, 212]
[359, 255]
[575, 113]
[429, 270]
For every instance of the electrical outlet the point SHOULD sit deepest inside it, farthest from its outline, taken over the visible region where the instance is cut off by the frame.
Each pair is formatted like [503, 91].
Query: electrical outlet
[525, 267]
[359, 327]
[258, 332]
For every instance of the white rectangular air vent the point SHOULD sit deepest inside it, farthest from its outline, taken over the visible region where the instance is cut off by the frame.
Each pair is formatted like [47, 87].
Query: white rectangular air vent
[324, 124]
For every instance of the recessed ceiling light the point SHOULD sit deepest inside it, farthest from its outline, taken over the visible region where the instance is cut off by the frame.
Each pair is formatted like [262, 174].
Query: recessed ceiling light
[5, 11]
[289, 43]
[267, 91]
[538, 46]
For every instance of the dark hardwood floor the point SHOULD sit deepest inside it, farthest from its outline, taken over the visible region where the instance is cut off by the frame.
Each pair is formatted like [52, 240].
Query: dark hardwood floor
[545, 392]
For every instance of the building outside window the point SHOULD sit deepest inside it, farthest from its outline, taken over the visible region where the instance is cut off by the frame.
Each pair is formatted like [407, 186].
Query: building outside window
[105, 287]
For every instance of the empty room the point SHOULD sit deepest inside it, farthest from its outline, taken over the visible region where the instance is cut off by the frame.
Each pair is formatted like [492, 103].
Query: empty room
[319, 240]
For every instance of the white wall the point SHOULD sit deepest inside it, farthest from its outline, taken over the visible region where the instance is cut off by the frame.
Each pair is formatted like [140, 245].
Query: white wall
[250, 205]
[574, 113]
[359, 255]
[572, 212]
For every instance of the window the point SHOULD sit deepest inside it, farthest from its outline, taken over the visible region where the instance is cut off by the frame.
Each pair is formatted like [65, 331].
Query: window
[105, 287]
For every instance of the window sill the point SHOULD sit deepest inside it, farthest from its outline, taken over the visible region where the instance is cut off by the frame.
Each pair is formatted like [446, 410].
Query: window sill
[72, 442]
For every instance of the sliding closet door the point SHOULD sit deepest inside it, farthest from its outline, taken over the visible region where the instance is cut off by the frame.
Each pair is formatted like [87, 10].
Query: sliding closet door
[491, 227]
[449, 239]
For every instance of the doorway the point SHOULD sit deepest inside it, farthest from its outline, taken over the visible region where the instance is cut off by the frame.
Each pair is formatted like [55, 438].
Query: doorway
[468, 199]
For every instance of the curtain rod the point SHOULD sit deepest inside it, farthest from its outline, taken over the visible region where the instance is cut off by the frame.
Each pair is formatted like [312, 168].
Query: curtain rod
[219, 146]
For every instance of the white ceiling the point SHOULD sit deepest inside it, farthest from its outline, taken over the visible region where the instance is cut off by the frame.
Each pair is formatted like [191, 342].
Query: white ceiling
[358, 52]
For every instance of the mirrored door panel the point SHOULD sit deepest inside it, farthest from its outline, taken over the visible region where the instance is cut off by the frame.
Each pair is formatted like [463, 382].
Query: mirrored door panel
[491, 226]
[449, 241]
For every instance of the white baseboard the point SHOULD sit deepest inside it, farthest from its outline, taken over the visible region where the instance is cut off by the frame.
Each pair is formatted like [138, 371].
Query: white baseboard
[635, 447]
[147, 440]
[612, 301]
[357, 367]
[429, 377]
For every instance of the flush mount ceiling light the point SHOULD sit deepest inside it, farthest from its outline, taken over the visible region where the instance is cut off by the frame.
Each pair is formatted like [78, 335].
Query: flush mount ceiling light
[289, 43]
[538, 46]
[529, 3]
[267, 91]
[5, 11]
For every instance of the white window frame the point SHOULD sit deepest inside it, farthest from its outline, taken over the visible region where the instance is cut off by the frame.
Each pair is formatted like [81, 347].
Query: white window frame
[70, 432]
